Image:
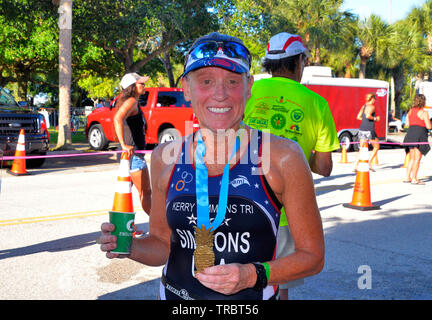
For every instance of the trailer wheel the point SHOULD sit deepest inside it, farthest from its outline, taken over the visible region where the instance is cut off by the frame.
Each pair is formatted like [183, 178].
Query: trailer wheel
[346, 139]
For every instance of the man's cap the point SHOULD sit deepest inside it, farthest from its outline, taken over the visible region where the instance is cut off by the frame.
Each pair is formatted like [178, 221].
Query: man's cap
[131, 78]
[284, 45]
[219, 60]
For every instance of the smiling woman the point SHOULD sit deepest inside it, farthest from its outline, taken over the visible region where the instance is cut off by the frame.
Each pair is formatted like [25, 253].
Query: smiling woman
[224, 253]
[219, 97]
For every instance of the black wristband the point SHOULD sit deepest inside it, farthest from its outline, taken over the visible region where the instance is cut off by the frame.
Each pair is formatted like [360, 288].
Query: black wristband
[261, 281]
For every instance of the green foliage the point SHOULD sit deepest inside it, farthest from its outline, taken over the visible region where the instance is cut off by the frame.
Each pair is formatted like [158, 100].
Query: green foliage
[28, 43]
[98, 87]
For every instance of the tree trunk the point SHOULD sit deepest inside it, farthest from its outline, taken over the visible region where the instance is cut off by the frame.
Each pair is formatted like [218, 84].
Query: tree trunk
[168, 68]
[429, 43]
[64, 140]
[317, 60]
[393, 93]
[347, 71]
[398, 83]
[362, 74]
[22, 78]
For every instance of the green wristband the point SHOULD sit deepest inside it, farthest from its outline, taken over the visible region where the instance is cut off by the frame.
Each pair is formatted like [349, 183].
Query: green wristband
[267, 269]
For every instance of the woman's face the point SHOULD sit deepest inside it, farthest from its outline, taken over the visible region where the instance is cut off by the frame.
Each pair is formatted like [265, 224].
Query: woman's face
[218, 97]
[140, 85]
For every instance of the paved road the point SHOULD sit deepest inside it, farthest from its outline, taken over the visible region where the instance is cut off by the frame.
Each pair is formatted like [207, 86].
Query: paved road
[50, 219]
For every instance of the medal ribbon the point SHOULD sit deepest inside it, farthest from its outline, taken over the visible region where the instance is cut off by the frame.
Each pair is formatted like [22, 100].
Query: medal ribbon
[201, 186]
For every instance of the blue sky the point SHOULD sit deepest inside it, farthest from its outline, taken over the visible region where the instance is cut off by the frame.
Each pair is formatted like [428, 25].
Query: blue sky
[399, 8]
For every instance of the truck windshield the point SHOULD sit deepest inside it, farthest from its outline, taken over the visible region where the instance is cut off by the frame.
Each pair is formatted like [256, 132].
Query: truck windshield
[7, 100]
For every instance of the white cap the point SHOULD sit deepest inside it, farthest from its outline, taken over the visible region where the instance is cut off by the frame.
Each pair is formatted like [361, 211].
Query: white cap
[131, 78]
[284, 45]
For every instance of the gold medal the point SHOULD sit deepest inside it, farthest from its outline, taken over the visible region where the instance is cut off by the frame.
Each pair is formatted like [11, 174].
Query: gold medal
[203, 255]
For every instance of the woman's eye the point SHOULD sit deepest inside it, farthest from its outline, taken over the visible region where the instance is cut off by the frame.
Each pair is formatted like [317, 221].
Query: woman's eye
[232, 83]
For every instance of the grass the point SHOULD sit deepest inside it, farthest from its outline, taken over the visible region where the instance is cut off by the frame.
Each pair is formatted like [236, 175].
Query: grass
[77, 136]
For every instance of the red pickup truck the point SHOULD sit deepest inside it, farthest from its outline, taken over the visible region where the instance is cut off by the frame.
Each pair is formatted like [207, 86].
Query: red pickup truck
[167, 114]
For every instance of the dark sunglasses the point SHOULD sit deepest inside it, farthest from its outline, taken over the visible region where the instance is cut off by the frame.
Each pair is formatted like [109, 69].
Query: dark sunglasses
[231, 49]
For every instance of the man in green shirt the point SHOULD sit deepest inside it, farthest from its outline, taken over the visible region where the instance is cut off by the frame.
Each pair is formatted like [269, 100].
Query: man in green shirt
[288, 109]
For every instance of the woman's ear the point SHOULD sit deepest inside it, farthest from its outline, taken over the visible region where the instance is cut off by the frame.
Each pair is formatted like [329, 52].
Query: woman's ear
[249, 88]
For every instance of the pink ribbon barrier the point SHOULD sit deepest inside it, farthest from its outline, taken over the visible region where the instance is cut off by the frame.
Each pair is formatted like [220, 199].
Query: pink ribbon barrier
[392, 143]
[5, 158]
[70, 155]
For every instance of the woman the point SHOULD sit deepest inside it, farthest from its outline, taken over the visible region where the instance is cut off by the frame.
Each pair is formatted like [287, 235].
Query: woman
[418, 122]
[129, 125]
[367, 132]
[217, 240]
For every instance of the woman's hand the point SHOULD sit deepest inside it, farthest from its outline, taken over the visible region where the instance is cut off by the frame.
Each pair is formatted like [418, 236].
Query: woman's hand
[108, 241]
[228, 278]
[129, 149]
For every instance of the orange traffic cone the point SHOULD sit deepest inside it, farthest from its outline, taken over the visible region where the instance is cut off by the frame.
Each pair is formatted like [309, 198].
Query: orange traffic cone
[361, 199]
[19, 165]
[123, 196]
[344, 158]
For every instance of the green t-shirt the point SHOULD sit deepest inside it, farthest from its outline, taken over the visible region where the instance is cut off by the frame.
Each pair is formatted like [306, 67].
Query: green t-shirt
[288, 109]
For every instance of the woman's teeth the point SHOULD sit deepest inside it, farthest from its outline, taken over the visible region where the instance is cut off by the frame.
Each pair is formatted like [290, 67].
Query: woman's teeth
[219, 110]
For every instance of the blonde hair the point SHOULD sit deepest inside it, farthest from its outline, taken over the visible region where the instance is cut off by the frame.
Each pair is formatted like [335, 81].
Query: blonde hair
[369, 97]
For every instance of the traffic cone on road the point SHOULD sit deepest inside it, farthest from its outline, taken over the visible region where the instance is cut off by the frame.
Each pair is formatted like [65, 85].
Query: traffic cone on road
[19, 165]
[344, 158]
[361, 199]
[123, 195]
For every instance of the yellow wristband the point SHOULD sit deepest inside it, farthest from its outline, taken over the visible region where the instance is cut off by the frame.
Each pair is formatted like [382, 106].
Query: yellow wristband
[267, 269]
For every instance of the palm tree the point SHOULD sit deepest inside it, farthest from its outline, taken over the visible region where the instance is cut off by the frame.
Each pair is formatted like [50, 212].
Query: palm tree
[64, 140]
[421, 20]
[342, 57]
[319, 22]
[373, 35]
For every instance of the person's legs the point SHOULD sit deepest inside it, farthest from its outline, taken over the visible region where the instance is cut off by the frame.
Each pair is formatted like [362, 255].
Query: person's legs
[410, 164]
[362, 140]
[375, 149]
[399, 125]
[141, 180]
[416, 164]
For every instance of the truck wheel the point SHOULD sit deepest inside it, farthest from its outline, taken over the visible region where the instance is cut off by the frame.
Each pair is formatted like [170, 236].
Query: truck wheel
[169, 134]
[96, 138]
[345, 139]
[35, 163]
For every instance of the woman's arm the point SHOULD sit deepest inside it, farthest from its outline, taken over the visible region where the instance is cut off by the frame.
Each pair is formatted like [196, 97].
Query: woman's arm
[153, 249]
[124, 111]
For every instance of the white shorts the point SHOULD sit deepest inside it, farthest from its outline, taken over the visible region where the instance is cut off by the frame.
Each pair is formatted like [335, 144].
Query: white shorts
[285, 247]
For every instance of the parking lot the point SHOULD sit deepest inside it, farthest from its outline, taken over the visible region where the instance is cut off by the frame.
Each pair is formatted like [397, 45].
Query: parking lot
[49, 221]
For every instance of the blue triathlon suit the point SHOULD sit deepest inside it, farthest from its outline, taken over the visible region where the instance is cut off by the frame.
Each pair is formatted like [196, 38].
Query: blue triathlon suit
[248, 233]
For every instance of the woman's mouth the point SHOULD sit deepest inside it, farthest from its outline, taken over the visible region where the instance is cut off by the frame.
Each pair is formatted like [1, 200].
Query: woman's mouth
[219, 110]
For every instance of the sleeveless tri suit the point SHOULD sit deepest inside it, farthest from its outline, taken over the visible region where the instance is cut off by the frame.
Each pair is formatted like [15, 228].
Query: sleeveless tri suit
[247, 234]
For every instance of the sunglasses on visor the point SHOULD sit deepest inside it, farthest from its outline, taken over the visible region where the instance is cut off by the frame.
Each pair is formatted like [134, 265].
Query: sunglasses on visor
[210, 48]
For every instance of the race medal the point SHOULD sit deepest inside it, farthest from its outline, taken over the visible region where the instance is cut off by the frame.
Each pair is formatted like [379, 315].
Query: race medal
[204, 238]
[203, 255]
